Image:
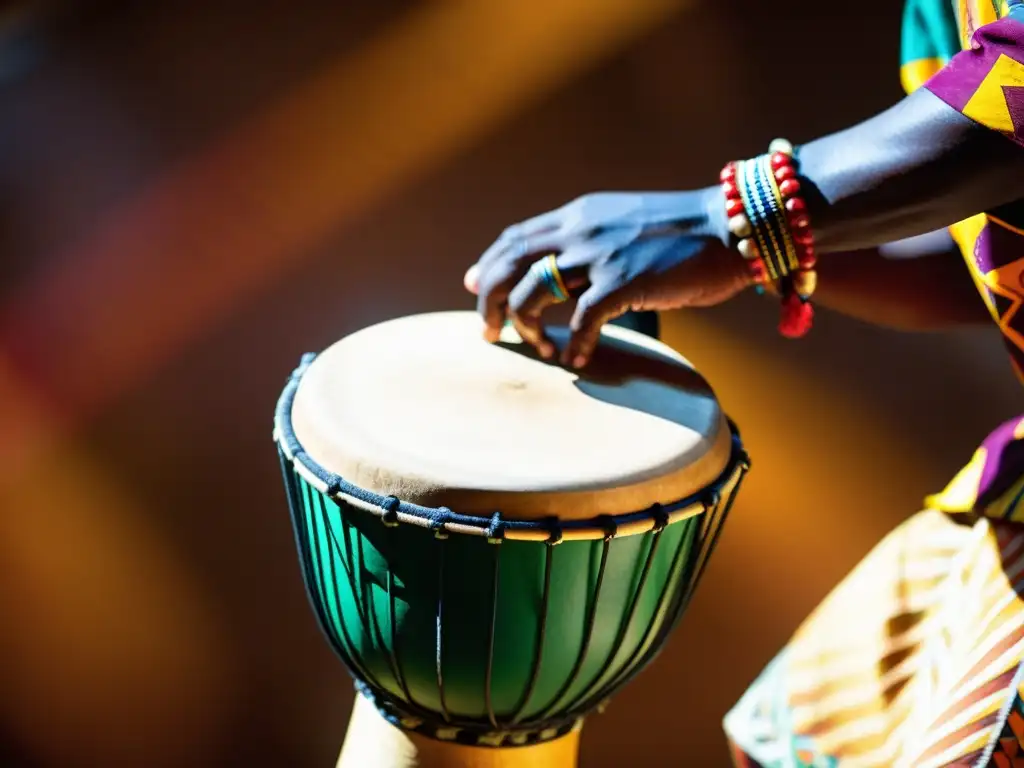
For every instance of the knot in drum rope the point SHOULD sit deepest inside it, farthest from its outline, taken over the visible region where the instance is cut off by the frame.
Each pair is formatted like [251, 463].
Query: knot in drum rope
[661, 518]
[437, 522]
[496, 530]
[390, 505]
[554, 531]
[710, 499]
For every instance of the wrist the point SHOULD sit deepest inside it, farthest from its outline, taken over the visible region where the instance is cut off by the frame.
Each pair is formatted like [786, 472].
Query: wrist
[767, 214]
[715, 227]
[716, 222]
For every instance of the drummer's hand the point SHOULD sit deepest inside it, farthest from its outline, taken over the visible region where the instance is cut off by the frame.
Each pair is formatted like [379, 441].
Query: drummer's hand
[616, 252]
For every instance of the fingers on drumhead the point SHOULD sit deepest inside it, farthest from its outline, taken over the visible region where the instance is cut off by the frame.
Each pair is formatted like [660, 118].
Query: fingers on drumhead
[505, 284]
[597, 306]
[493, 288]
[531, 331]
[496, 280]
[538, 289]
[547, 280]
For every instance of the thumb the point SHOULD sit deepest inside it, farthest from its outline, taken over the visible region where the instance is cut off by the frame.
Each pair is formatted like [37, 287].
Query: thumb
[597, 306]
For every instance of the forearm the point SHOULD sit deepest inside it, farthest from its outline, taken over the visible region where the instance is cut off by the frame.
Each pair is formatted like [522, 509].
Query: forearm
[915, 168]
[918, 284]
[952, 149]
[922, 294]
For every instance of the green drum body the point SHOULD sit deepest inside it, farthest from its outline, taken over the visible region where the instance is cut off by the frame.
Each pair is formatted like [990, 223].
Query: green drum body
[484, 630]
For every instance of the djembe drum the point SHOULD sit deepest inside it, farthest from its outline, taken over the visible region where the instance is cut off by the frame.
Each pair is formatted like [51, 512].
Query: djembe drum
[493, 544]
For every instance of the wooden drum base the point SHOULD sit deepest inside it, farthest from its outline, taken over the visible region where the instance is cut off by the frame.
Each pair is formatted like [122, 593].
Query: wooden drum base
[372, 742]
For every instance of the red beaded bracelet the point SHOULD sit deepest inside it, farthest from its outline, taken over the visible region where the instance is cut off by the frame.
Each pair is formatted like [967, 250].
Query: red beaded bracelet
[740, 225]
[768, 216]
[797, 311]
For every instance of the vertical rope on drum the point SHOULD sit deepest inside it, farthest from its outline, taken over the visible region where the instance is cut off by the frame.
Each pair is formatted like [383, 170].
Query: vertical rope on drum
[362, 667]
[394, 639]
[366, 594]
[709, 535]
[682, 597]
[389, 518]
[439, 655]
[347, 564]
[652, 645]
[643, 653]
[591, 620]
[316, 557]
[712, 521]
[496, 581]
[712, 532]
[661, 521]
[299, 523]
[553, 540]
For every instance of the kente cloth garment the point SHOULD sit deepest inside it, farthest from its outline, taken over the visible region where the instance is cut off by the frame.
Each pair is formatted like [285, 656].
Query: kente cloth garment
[917, 658]
[984, 81]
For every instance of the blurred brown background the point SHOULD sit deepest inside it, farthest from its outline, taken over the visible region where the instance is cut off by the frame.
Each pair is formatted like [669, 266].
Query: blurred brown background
[193, 194]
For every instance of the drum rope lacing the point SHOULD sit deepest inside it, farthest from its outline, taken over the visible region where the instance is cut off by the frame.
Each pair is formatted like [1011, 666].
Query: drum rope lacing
[559, 716]
[444, 521]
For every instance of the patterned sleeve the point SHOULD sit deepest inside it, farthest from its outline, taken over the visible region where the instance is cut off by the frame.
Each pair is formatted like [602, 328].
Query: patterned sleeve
[986, 81]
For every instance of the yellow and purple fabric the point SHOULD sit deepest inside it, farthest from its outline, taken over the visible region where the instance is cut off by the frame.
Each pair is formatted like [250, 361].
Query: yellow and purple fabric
[917, 657]
[985, 82]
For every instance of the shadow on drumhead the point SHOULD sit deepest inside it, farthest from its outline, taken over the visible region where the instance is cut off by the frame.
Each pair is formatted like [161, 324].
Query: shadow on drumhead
[449, 624]
[630, 375]
[456, 627]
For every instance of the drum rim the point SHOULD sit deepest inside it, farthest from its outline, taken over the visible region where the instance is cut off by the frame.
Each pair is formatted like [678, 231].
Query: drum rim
[444, 521]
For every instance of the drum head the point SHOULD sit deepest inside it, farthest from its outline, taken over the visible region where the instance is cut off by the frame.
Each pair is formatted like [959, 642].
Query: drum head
[424, 409]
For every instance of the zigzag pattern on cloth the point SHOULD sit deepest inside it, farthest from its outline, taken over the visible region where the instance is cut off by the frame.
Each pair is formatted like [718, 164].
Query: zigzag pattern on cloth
[914, 660]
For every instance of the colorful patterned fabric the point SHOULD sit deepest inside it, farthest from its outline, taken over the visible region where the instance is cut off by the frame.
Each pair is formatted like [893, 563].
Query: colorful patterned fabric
[917, 658]
[930, 39]
[992, 484]
[1008, 752]
[985, 82]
